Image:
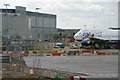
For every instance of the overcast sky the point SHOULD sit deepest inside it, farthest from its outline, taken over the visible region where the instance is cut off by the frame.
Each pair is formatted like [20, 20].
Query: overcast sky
[74, 14]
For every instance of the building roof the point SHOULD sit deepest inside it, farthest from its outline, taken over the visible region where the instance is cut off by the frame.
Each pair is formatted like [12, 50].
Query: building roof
[39, 14]
[28, 13]
[67, 30]
[8, 10]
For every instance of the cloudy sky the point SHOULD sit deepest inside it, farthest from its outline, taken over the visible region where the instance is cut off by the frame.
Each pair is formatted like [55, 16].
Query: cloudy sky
[74, 14]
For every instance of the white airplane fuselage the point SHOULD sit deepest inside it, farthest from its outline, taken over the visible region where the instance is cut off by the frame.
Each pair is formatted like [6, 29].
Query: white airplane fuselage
[104, 35]
[101, 34]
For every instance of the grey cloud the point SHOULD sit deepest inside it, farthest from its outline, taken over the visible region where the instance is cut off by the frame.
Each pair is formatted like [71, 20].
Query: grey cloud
[72, 14]
[75, 14]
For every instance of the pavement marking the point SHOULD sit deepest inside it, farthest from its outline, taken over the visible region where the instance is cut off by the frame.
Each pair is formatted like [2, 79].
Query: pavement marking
[4, 69]
[114, 75]
[11, 68]
[87, 73]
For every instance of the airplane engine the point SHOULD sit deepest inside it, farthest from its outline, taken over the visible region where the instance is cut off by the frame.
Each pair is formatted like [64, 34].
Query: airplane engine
[86, 42]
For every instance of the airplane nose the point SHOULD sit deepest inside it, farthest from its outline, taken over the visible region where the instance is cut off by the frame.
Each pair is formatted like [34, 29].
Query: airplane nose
[75, 36]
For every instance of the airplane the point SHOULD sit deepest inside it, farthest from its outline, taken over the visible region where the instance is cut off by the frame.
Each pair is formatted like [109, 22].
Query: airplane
[108, 38]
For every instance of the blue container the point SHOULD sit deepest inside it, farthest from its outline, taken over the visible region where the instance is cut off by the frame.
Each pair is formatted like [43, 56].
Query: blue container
[74, 53]
[68, 53]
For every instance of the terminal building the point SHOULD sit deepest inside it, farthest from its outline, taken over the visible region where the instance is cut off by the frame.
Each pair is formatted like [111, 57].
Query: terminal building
[66, 33]
[21, 29]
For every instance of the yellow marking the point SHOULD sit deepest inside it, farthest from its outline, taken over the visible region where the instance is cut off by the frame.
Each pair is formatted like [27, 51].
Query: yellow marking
[86, 73]
[11, 68]
[113, 75]
[4, 69]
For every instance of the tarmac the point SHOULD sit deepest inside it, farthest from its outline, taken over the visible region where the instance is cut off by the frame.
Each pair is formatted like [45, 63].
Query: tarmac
[94, 66]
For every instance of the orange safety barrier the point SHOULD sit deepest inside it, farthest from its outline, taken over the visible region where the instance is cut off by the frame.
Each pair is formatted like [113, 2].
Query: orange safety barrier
[48, 54]
[26, 51]
[77, 51]
[34, 51]
[56, 54]
[33, 71]
[94, 51]
[25, 54]
[82, 78]
[87, 51]
[72, 78]
[42, 51]
[101, 53]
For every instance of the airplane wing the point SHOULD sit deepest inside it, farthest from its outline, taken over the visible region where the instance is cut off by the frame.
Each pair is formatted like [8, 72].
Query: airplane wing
[94, 38]
[97, 39]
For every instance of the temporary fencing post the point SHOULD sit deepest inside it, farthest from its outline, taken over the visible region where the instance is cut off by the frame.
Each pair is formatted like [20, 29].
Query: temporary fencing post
[32, 71]
[77, 78]
[72, 78]
[82, 78]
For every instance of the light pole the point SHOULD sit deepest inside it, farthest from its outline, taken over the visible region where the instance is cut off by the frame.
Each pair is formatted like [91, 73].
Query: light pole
[6, 18]
[6, 31]
[36, 36]
[6, 6]
[37, 30]
[37, 23]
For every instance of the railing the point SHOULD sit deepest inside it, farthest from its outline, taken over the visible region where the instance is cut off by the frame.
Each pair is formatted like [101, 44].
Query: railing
[53, 74]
